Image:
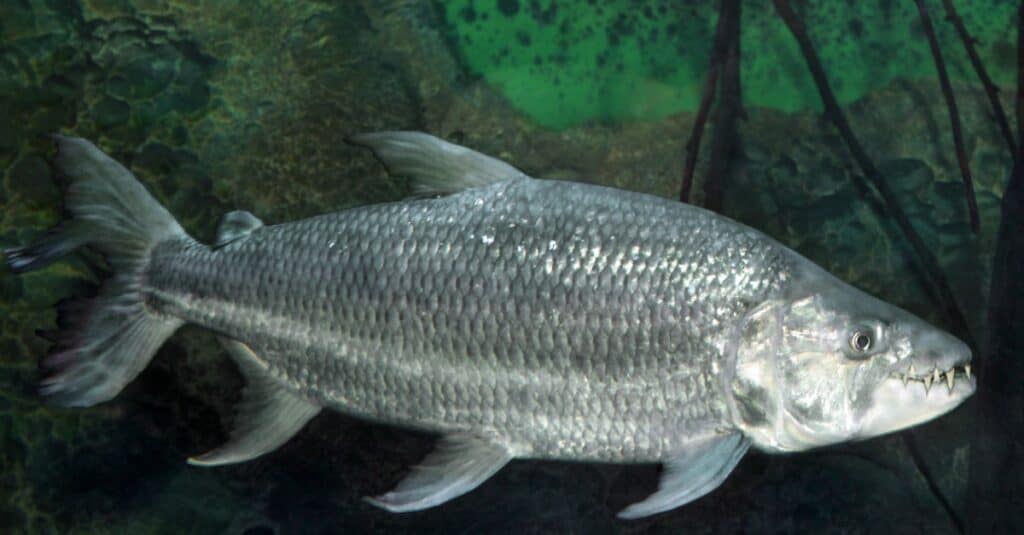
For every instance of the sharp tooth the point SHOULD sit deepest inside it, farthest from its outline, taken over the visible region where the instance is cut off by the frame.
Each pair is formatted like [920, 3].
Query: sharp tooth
[967, 370]
[910, 370]
[949, 380]
[906, 379]
[927, 384]
[936, 376]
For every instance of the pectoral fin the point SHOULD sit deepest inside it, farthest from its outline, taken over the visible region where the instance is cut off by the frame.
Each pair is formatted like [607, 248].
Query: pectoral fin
[459, 464]
[692, 474]
[266, 418]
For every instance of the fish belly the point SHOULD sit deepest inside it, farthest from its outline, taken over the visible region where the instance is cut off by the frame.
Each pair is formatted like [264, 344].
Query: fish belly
[572, 321]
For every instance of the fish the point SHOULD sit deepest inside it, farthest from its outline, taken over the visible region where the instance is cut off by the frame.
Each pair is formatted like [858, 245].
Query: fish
[513, 316]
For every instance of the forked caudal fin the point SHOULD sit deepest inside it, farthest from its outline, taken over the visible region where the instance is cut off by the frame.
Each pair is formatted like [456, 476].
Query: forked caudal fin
[110, 339]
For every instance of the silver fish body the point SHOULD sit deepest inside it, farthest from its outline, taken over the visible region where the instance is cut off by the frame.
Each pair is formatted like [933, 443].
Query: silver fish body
[572, 321]
[515, 317]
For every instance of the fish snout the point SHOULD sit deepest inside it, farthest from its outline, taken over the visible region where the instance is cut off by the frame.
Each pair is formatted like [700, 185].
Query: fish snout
[938, 358]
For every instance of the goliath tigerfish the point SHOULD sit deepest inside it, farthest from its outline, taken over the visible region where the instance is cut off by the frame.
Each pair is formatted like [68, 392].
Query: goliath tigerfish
[516, 317]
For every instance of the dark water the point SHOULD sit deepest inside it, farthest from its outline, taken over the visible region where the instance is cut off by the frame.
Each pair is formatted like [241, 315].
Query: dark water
[218, 106]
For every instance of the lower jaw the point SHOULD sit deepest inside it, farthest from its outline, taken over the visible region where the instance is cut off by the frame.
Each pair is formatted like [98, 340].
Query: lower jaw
[898, 406]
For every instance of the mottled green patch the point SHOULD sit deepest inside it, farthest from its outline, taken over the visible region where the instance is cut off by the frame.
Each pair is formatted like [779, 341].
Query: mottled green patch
[564, 63]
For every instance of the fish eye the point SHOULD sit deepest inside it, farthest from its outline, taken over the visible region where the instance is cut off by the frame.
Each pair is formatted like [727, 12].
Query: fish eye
[861, 341]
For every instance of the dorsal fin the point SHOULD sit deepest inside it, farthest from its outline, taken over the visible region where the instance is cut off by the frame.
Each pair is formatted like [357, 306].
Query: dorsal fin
[435, 166]
[235, 226]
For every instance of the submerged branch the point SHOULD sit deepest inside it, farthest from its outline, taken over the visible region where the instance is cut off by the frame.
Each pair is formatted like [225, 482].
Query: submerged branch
[938, 284]
[725, 139]
[990, 87]
[954, 113]
[693, 145]
[1020, 81]
[994, 486]
[910, 441]
[707, 97]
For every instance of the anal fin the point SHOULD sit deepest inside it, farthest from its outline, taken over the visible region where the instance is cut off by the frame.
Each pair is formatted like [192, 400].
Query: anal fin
[692, 474]
[459, 464]
[266, 418]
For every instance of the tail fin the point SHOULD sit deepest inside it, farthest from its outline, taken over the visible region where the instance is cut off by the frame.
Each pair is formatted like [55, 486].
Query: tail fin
[107, 341]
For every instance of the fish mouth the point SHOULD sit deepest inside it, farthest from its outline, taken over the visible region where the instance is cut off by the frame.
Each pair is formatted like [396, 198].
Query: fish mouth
[914, 395]
[936, 376]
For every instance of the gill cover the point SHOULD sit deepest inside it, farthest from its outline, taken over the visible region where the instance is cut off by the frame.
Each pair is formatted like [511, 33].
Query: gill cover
[823, 362]
[799, 383]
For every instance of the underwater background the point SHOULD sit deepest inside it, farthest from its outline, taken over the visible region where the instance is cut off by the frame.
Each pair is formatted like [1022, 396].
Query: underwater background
[224, 105]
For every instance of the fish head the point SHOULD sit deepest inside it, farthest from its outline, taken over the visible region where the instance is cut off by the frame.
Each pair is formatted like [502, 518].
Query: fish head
[824, 363]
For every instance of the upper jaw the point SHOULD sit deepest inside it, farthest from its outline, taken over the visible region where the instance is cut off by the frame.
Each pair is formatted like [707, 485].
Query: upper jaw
[938, 359]
[935, 375]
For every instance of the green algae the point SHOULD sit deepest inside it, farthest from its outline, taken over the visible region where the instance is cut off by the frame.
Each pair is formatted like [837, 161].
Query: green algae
[563, 63]
[612, 60]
